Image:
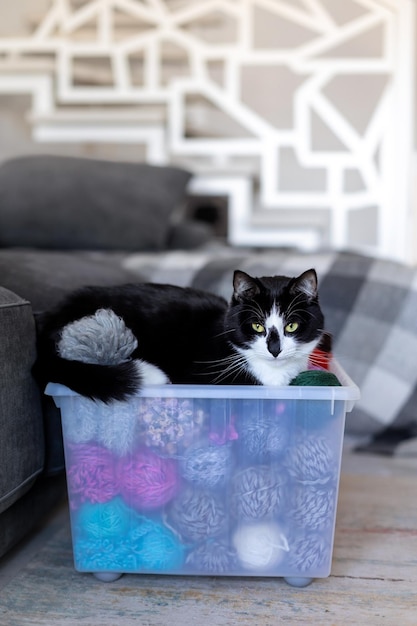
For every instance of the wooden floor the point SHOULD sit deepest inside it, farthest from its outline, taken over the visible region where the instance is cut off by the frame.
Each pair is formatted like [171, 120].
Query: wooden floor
[373, 580]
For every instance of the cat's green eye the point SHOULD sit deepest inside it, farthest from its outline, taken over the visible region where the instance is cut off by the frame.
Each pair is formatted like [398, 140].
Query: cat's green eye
[257, 327]
[291, 327]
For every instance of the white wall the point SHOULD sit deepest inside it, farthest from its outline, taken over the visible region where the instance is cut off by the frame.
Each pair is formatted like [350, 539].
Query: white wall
[19, 17]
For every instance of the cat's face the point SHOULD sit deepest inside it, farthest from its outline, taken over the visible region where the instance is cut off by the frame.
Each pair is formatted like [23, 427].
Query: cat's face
[275, 323]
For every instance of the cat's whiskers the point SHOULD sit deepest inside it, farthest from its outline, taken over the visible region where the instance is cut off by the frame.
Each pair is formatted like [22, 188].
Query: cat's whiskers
[295, 300]
[295, 303]
[236, 369]
[230, 357]
[256, 310]
[232, 364]
[300, 311]
[224, 332]
[315, 361]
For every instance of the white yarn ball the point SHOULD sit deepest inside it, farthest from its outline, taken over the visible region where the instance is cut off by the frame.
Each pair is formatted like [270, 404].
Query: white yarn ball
[260, 546]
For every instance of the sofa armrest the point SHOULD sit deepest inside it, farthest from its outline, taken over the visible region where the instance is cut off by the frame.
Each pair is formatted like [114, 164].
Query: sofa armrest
[22, 445]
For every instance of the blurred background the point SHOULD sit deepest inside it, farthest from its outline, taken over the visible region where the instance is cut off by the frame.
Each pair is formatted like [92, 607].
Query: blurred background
[295, 116]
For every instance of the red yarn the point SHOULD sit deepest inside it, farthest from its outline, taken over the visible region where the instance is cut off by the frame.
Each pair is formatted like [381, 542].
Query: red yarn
[322, 355]
[320, 358]
[146, 480]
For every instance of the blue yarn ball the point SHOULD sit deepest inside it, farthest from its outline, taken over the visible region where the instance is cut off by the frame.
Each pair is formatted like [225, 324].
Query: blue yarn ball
[197, 515]
[263, 436]
[309, 554]
[212, 557]
[156, 547]
[103, 555]
[103, 520]
[312, 506]
[311, 461]
[257, 492]
[207, 465]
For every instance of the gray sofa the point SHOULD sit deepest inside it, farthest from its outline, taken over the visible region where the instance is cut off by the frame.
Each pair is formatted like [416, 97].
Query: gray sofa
[69, 222]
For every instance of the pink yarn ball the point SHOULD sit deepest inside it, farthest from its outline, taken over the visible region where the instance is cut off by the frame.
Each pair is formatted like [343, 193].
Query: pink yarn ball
[91, 474]
[147, 481]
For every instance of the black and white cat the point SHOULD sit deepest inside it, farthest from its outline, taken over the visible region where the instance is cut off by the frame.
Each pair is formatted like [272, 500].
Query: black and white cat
[106, 342]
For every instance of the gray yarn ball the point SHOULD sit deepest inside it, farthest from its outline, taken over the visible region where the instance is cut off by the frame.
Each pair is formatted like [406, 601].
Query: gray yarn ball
[207, 465]
[101, 338]
[309, 553]
[197, 515]
[311, 461]
[257, 492]
[263, 437]
[312, 506]
[212, 557]
[111, 425]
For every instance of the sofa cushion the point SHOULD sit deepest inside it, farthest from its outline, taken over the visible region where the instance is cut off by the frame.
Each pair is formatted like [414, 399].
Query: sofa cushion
[22, 445]
[44, 276]
[58, 202]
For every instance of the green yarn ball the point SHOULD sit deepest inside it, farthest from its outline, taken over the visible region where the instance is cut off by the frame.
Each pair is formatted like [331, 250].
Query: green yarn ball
[315, 414]
[316, 378]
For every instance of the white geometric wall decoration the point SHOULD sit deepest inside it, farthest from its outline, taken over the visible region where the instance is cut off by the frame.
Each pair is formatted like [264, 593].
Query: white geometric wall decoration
[301, 112]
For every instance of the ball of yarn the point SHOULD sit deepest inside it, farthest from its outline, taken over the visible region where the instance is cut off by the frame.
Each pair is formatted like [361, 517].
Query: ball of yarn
[81, 422]
[312, 506]
[197, 515]
[212, 557]
[113, 425]
[110, 519]
[263, 437]
[315, 414]
[311, 461]
[169, 424]
[207, 465]
[103, 555]
[117, 426]
[91, 474]
[156, 547]
[277, 439]
[316, 378]
[260, 547]
[146, 480]
[257, 492]
[310, 553]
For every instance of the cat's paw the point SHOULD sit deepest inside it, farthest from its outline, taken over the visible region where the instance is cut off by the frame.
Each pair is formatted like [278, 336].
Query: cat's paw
[151, 375]
[101, 338]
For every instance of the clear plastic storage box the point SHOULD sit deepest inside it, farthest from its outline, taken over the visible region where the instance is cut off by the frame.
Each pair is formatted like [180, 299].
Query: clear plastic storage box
[206, 480]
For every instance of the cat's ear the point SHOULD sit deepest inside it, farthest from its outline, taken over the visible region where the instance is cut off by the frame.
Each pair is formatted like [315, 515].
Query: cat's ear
[307, 283]
[245, 287]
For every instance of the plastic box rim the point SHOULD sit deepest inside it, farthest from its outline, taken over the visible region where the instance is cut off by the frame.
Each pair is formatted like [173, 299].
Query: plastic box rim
[348, 391]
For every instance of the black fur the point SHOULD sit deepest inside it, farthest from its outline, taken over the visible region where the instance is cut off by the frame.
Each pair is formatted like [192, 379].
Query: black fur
[191, 335]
